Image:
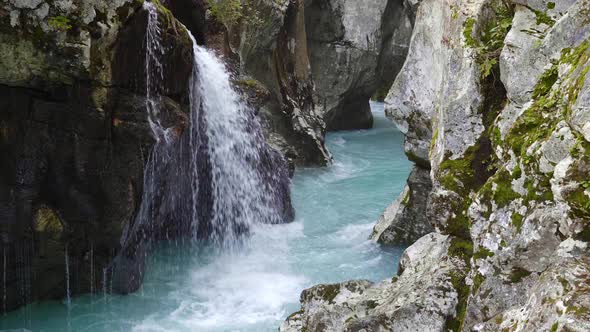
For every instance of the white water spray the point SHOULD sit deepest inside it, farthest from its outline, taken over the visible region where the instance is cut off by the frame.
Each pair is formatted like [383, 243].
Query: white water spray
[248, 178]
[68, 294]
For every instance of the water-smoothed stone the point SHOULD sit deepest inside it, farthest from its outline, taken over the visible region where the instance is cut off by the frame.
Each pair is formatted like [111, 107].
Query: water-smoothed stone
[421, 298]
[404, 221]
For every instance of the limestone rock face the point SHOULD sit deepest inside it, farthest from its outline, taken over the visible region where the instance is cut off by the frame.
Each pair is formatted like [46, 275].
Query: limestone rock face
[270, 54]
[74, 136]
[404, 221]
[355, 48]
[493, 99]
[421, 298]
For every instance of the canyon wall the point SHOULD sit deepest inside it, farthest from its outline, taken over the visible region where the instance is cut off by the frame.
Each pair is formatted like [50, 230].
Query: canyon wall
[493, 99]
[75, 136]
[355, 49]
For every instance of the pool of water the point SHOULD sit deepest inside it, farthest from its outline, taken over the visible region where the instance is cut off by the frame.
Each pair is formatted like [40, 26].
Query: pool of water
[256, 287]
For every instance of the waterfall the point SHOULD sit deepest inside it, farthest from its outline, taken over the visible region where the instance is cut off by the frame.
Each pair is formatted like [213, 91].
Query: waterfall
[210, 182]
[67, 261]
[104, 284]
[248, 179]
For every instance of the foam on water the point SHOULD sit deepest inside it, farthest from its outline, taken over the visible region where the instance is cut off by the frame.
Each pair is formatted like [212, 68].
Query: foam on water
[190, 288]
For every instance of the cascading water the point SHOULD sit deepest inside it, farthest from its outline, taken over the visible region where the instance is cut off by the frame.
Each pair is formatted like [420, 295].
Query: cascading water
[67, 264]
[248, 179]
[211, 182]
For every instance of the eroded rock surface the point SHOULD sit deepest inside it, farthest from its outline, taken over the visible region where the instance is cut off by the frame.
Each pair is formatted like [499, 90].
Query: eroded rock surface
[268, 50]
[355, 49]
[404, 221]
[421, 298]
[493, 99]
[74, 136]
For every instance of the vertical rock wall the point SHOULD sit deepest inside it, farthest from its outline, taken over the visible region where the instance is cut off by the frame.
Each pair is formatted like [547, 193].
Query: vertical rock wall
[493, 99]
[75, 137]
[355, 48]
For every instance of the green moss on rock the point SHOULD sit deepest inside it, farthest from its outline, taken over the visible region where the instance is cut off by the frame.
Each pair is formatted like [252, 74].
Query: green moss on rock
[517, 274]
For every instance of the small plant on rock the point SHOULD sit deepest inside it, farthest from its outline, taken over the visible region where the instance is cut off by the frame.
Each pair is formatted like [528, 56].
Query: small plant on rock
[60, 23]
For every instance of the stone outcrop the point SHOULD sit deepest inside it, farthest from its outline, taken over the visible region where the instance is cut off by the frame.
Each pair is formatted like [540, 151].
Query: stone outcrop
[421, 298]
[404, 221]
[355, 48]
[74, 135]
[268, 49]
[494, 100]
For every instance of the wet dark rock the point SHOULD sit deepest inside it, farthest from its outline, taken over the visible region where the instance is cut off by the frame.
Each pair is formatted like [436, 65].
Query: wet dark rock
[73, 157]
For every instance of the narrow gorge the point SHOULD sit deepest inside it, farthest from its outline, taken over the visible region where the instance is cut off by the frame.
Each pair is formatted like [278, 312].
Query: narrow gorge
[295, 165]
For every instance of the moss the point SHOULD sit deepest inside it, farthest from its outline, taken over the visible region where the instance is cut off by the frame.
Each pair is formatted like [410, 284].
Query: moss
[468, 27]
[60, 23]
[546, 82]
[543, 17]
[503, 193]
[578, 311]
[578, 197]
[457, 175]
[517, 221]
[371, 304]
[291, 316]
[573, 56]
[434, 138]
[580, 203]
[232, 12]
[482, 253]
[477, 281]
[456, 323]
[461, 248]
[406, 198]
[517, 172]
[517, 274]
[554, 327]
[459, 224]
[564, 283]
[48, 221]
[584, 235]
[328, 292]
[538, 122]
[538, 189]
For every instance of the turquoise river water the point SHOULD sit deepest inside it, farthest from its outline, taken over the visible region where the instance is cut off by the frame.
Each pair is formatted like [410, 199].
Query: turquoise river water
[255, 289]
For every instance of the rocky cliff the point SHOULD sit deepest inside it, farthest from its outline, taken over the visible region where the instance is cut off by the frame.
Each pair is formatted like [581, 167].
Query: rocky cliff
[75, 135]
[355, 49]
[264, 42]
[493, 99]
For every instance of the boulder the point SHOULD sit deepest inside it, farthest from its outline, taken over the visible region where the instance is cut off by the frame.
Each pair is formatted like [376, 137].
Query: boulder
[404, 221]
